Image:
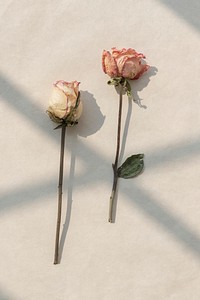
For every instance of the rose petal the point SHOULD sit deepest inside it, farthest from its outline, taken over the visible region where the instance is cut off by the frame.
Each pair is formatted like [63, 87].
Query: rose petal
[130, 68]
[129, 53]
[143, 69]
[58, 103]
[63, 100]
[76, 86]
[109, 64]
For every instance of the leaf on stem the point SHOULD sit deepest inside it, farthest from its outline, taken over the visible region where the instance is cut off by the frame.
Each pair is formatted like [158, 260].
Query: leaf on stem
[132, 167]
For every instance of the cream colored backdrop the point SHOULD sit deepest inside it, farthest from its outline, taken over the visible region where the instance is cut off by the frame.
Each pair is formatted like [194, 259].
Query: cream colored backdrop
[152, 251]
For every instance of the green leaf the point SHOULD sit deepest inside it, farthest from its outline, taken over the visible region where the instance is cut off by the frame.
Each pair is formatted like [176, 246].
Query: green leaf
[132, 167]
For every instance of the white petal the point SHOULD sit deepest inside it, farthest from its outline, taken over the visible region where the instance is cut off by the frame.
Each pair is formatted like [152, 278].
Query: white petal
[58, 103]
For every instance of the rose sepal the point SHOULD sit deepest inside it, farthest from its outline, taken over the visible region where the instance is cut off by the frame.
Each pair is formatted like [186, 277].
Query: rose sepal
[116, 81]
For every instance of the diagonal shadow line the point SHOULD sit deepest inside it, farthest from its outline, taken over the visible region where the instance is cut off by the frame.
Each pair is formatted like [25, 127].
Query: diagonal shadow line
[93, 160]
[38, 190]
[165, 219]
[189, 11]
[17, 197]
[144, 202]
[24, 105]
[6, 296]
[173, 152]
[159, 214]
[28, 193]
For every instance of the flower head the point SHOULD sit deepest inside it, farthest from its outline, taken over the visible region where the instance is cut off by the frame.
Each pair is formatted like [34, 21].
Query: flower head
[64, 104]
[126, 63]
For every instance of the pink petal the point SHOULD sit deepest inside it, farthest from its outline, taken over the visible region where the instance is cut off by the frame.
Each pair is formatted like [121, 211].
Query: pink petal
[143, 68]
[130, 53]
[130, 68]
[121, 62]
[109, 64]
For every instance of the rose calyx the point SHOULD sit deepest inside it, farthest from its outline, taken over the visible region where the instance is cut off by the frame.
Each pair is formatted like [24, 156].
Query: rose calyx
[116, 81]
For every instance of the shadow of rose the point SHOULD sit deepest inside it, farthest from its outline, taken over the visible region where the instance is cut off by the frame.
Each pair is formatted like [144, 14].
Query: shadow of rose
[141, 83]
[91, 119]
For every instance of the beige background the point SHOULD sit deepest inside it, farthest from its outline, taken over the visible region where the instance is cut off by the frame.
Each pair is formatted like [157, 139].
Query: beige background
[153, 249]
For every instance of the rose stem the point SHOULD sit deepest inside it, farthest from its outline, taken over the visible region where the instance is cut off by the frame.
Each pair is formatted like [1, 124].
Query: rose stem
[115, 165]
[56, 255]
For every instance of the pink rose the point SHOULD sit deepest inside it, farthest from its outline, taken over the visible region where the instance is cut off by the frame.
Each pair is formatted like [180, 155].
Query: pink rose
[123, 63]
[64, 103]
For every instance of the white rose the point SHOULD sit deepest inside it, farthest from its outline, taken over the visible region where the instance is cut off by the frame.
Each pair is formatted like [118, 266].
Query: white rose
[64, 103]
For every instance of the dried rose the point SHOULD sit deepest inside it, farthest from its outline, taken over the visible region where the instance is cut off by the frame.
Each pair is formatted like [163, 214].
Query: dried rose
[64, 104]
[65, 108]
[122, 66]
[126, 63]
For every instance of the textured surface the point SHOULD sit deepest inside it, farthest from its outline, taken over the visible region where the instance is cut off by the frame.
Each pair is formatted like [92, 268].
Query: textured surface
[153, 249]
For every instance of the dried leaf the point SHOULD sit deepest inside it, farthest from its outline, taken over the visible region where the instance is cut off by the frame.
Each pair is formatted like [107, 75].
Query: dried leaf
[132, 167]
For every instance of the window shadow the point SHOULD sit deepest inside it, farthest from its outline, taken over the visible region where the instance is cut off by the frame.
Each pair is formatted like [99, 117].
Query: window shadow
[188, 10]
[164, 218]
[94, 161]
[5, 296]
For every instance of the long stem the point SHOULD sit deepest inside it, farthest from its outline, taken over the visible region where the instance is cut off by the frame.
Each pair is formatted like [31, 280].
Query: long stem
[56, 255]
[115, 165]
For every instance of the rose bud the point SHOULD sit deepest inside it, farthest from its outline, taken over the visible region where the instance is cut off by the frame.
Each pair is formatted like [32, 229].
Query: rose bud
[126, 63]
[64, 104]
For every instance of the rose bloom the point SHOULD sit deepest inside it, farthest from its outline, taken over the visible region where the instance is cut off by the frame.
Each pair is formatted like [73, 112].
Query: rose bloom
[63, 101]
[123, 63]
